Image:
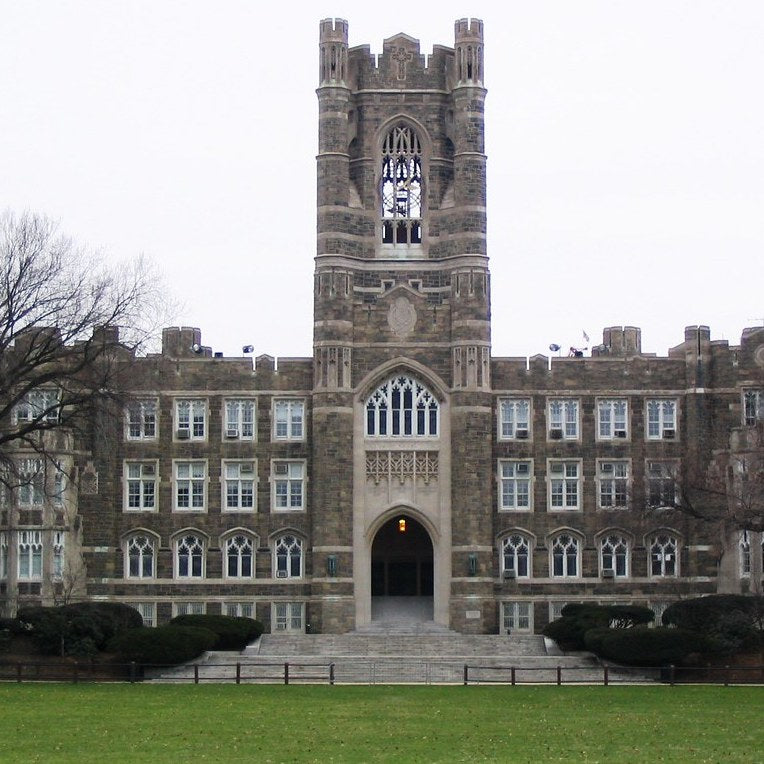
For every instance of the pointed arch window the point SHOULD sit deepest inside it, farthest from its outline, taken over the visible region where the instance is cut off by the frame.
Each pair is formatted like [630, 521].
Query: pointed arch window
[401, 187]
[402, 407]
[239, 557]
[140, 556]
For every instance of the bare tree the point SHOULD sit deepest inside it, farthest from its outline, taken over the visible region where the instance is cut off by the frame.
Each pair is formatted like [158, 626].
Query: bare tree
[68, 323]
[727, 494]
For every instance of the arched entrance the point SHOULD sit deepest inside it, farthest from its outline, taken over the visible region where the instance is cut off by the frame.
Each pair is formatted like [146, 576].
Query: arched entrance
[402, 571]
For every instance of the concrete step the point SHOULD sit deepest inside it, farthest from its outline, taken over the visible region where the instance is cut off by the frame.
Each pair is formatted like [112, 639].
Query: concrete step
[438, 645]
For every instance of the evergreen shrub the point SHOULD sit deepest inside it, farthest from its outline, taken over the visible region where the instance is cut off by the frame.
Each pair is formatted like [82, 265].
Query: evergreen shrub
[162, 646]
[233, 633]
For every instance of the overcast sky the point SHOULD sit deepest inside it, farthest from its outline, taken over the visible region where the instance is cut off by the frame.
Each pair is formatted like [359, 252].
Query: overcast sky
[625, 147]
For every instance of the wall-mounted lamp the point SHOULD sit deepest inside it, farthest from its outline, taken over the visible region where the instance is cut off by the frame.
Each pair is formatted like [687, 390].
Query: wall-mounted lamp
[402, 525]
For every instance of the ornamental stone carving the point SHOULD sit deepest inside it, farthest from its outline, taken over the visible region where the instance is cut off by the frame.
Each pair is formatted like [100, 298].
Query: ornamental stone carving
[401, 318]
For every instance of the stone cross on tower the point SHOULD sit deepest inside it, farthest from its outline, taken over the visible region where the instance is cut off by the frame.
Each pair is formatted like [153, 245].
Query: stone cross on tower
[402, 56]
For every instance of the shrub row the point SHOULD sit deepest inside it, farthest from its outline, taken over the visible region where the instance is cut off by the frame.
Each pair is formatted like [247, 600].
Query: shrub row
[577, 619]
[164, 645]
[80, 629]
[232, 633]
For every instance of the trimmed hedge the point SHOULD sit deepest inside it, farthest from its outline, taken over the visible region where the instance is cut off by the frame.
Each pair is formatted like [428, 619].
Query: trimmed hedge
[577, 619]
[641, 646]
[162, 646]
[730, 622]
[79, 629]
[233, 633]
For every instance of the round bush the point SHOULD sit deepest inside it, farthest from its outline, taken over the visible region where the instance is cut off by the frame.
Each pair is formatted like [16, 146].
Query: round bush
[628, 616]
[576, 620]
[13, 626]
[595, 638]
[163, 646]
[649, 647]
[233, 633]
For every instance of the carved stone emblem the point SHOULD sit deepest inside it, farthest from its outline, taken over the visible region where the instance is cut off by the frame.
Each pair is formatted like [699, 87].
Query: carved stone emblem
[401, 317]
[758, 356]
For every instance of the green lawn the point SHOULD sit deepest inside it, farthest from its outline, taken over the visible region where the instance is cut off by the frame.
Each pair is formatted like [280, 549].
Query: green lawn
[307, 723]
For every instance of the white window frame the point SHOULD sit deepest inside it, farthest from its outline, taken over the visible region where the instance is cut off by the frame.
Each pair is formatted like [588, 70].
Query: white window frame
[563, 416]
[744, 554]
[240, 419]
[515, 481]
[517, 617]
[4, 554]
[661, 541]
[147, 611]
[176, 544]
[142, 419]
[613, 419]
[35, 403]
[29, 551]
[151, 545]
[194, 480]
[239, 609]
[290, 541]
[608, 545]
[662, 419]
[147, 480]
[283, 484]
[515, 419]
[561, 538]
[669, 469]
[753, 406]
[288, 617]
[419, 419]
[288, 419]
[563, 477]
[245, 477]
[188, 607]
[240, 539]
[191, 419]
[509, 546]
[58, 561]
[31, 489]
[613, 480]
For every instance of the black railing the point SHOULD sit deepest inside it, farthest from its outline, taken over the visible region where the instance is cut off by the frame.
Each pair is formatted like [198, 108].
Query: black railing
[375, 672]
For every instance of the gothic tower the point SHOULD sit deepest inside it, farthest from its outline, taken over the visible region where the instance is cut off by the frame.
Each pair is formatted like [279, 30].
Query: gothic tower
[401, 399]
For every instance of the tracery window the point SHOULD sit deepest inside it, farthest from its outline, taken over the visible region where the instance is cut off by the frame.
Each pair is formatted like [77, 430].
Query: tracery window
[663, 555]
[190, 557]
[614, 556]
[745, 553]
[565, 556]
[239, 556]
[30, 555]
[140, 557]
[288, 557]
[515, 558]
[402, 407]
[58, 555]
[402, 187]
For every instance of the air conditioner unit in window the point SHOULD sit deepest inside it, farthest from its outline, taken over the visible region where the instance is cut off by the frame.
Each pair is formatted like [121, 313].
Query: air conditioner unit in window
[668, 434]
[555, 434]
[557, 469]
[620, 433]
[246, 469]
[510, 574]
[521, 434]
[523, 468]
[281, 469]
[281, 574]
[148, 469]
[608, 573]
[606, 467]
[183, 433]
[232, 432]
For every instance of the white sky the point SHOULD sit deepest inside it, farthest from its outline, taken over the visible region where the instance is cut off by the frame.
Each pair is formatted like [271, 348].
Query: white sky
[625, 147]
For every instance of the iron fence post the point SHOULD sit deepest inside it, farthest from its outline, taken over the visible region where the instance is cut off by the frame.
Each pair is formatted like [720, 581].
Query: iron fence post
[286, 673]
[238, 673]
[559, 675]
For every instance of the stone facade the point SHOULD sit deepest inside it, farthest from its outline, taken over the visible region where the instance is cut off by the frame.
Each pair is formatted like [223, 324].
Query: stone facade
[277, 490]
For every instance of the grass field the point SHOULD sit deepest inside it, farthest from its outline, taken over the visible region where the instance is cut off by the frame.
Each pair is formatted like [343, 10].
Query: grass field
[308, 723]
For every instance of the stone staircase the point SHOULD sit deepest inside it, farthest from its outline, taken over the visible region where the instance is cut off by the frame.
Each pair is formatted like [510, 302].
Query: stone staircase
[389, 653]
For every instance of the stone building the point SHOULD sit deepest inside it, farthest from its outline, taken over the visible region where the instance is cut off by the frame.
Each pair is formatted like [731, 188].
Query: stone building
[401, 463]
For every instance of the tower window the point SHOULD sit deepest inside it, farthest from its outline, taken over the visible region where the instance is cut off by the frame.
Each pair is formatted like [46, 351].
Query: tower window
[401, 187]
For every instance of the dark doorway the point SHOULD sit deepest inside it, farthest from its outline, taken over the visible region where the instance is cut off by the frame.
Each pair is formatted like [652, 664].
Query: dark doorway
[401, 560]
